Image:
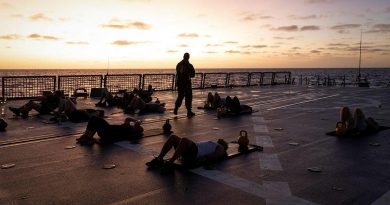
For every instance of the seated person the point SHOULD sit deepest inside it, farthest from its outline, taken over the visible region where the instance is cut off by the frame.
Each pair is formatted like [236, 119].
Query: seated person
[233, 107]
[68, 107]
[137, 105]
[43, 105]
[213, 101]
[192, 153]
[145, 95]
[356, 123]
[110, 100]
[110, 133]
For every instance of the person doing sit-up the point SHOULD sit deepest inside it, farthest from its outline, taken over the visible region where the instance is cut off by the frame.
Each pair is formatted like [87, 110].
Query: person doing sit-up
[192, 153]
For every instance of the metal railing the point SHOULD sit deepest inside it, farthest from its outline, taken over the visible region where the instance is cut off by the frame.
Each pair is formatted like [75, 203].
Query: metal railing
[17, 87]
[70, 83]
[114, 83]
[26, 86]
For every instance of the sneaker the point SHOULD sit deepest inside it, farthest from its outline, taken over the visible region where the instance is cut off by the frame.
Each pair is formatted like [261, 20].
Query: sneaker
[24, 115]
[15, 110]
[89, 141]
[82, 138]
[175, 111]
[190, 114]
[155, 163]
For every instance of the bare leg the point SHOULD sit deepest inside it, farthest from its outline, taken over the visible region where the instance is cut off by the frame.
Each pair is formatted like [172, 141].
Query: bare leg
[69, 106]
[359, 120]
[184, 145]
[29, 106]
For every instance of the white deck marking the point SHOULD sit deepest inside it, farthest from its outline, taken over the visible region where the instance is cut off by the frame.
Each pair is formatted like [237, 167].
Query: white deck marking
[260, 128]
[264, 141]
[270, 162]
[383, 200]
[258, 120]
[270, 191]
[306, 101]
[281, 187]
[273, 192]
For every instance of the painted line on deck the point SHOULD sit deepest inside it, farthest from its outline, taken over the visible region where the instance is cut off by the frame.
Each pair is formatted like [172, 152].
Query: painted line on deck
[270, 162]
[383, 200]
[264, 141]
[270, 191]
[267, 161]
[260, 128]
[303, 102]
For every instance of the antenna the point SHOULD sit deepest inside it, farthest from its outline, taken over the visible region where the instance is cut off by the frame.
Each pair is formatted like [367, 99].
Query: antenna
[360, 54]
[108, 63]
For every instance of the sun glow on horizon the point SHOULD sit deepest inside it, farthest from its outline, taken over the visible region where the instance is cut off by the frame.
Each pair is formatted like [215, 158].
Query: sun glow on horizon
[217, 34]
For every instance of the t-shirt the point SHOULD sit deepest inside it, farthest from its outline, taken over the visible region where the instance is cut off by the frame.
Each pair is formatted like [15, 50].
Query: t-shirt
[205, 148]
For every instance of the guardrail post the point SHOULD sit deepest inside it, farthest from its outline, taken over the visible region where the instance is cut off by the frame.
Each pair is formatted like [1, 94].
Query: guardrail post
[2, 88]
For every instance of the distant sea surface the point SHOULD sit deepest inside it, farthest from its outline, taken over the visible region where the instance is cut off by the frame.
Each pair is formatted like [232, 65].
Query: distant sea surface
[373, 74]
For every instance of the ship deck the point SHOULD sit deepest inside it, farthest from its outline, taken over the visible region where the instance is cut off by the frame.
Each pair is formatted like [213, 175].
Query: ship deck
[291, 122]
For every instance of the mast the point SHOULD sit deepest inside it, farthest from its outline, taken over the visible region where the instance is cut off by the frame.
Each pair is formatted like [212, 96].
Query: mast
[360, 54]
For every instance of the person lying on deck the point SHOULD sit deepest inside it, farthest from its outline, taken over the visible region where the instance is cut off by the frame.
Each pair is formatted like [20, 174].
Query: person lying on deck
[111, 100]
[213, 101]
[110, 133]
[354, 124]
[68, 107]
[138, 105]
[145, 95]
[43, 105]
[233, 107]
[192, 153]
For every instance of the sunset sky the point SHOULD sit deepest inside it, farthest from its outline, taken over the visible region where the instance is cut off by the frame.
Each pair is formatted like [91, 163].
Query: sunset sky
[217, 33]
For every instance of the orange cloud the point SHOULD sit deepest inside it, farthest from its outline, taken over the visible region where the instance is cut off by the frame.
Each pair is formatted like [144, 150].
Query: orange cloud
[344, 28]
[11, 37]
[291, 28]
[213, 45]
[188, 35]
[313, 16]
[40, 17]
[252, 17]
[315, 51]
[284, 38]
[232, 51]
[77, 43]
[125, 43]
[380, 28]
[43, 37]
[310, 28]
[172, 51]
[230, 42]
[183, 45]
[17, 16]
[126, 24]
[254, 46]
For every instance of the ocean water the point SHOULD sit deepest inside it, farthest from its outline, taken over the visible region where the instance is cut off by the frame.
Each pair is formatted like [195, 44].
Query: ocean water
[376, 76]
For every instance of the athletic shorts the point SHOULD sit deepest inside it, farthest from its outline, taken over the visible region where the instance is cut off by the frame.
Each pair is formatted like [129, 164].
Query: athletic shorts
[189, 157]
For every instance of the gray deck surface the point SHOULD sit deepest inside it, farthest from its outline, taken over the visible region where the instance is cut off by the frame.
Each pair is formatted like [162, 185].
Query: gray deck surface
[290, 125]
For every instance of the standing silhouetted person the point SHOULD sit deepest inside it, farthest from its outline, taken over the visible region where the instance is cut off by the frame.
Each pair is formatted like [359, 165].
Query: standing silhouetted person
[184, 72]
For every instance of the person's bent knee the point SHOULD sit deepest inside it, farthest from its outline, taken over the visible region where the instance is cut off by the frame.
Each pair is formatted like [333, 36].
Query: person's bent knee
[174, 138]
